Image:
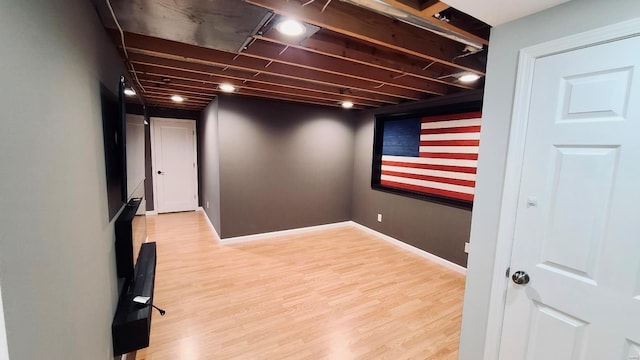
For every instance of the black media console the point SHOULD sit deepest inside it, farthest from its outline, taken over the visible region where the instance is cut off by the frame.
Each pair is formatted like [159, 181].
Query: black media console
[132, 323]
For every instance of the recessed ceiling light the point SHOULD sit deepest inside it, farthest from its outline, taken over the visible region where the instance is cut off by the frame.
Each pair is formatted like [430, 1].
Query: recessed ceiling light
[129, 92]
[467, 78]
[228, 88]
[177, 98]
[347, 104]
[291, 27]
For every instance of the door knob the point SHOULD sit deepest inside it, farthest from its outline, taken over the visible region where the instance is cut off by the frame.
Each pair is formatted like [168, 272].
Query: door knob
[520, 278]
[160, 172]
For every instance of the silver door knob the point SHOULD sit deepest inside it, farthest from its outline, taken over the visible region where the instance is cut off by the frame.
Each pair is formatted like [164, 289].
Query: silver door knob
[520, 277]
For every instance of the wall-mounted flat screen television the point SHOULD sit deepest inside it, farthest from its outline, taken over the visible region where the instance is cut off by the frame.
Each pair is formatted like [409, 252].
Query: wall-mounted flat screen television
[113, 126]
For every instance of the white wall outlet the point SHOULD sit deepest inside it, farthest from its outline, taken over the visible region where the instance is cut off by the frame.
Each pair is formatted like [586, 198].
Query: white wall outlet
[379, 217]
[466, 247]
[207, 204]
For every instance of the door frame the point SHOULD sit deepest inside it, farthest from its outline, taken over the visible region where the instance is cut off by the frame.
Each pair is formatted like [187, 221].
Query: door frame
[152, 131]
[515, 156]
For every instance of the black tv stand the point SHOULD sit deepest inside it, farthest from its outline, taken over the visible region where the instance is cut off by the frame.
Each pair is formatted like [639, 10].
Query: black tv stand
[131, 325]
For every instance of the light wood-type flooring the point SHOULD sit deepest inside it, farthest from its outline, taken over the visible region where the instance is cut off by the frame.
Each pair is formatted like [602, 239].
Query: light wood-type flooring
[338, 294]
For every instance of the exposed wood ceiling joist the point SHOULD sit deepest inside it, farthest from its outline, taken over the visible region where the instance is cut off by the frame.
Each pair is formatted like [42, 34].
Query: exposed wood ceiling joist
[332, 44]
[432, 7]
[296, 57]
[170, 82]
[158, 76]
[191, 53]
[203, 75]
[377, 29]
[427, 10]
[349, 52]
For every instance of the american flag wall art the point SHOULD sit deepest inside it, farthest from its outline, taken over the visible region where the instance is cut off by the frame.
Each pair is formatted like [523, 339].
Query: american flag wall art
[431, 155]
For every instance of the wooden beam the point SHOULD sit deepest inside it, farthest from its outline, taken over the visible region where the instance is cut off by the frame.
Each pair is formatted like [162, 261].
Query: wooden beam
[377, 29]
[311, 60]
[176, 87]
[433, 7]
[191, 97]
[214, 76]
[223, 59]
[151, 86]
[167, 98]
[331, 44]
[180, 76]
[196, 85]
[427, 12]
[291, 97]
[172, 105]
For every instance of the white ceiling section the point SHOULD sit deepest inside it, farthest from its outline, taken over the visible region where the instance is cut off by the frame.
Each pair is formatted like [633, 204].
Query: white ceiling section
[496, 12]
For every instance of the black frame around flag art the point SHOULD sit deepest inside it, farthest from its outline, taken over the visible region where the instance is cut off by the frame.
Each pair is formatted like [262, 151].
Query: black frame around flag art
[429, 154]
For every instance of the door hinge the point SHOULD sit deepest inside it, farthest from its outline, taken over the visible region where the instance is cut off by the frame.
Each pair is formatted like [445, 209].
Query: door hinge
[507, 272]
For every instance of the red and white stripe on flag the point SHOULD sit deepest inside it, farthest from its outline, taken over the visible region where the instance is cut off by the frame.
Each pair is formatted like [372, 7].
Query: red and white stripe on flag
[447, 161]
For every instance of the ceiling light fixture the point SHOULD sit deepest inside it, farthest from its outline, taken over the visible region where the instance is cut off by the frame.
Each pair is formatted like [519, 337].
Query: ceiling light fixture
[291, 27]
[228, 88]
[467, 78]
[129, 92]
[177, 98]
[347, 104]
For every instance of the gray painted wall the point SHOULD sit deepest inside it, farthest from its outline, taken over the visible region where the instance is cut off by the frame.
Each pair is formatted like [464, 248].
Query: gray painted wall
[506, 40]
[57, 262]
[209, 159]
[282, 165]
[436, 228]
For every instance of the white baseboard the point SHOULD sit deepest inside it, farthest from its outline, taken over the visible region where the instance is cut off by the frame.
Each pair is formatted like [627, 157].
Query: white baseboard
[427, 255]
[263, 236]
[151, 212]
[213, 229]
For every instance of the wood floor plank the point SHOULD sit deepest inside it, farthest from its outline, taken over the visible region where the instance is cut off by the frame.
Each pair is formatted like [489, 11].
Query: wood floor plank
[330, 294]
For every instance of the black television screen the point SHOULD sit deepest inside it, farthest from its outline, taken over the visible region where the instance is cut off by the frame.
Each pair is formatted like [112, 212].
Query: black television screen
[113, 127]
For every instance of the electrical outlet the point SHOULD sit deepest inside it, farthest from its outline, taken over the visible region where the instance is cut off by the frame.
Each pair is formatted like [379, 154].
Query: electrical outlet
[379, 217]
[466, 247]
[207, 204]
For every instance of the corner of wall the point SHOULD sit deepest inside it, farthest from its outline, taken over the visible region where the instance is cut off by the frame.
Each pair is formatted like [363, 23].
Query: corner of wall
[209, 163]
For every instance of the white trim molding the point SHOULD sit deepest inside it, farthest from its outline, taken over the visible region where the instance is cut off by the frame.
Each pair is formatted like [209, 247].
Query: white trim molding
[213, 229]
[4, 349]
[269, 235]
[151, 212]
[515, 155]
[424, 254]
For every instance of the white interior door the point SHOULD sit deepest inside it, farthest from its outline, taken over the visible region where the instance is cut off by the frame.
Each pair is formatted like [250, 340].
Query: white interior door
[577, 232]
[174, 165]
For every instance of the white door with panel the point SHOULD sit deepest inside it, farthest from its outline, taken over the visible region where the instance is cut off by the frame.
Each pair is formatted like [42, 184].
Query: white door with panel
[174, 165]
[577, 232]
